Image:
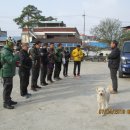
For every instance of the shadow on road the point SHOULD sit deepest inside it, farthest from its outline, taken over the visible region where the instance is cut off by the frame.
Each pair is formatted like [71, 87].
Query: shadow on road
[68, 88]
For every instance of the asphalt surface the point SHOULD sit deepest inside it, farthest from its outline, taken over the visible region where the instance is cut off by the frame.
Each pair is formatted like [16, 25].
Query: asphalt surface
[69, 104]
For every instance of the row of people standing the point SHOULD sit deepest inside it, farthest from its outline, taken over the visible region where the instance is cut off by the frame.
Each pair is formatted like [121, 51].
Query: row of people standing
[44, 60]
[38, 58]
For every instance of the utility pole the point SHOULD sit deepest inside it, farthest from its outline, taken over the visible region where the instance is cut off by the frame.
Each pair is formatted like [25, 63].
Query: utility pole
[84, 28]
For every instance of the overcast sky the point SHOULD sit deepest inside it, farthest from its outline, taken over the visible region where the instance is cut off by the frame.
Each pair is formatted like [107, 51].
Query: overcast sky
[69, 11]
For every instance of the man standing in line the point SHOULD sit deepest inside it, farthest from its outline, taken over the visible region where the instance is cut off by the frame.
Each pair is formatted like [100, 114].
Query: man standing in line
[44, 62]
[8, 61]
[58, 62]
[113, 64]
[51, 61]
[77, 55]
[65, 65]
[25, 65]
[35, 55]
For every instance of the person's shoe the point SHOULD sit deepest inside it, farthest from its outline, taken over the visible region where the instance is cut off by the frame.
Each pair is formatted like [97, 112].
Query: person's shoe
[13, 102]
[38, 86]
[7, 106]
[113, 92]
[59, 78]
[33, 88]
[78, 75]
[50, 81]
[28, 95]
[44, 84]
[65, 75]
[74, 76]
[56, 79]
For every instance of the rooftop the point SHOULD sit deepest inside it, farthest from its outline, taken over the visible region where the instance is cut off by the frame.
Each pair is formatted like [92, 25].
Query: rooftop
[126, 27]
[3, 39]
[60, 40]
[51, 21]
[52, 29]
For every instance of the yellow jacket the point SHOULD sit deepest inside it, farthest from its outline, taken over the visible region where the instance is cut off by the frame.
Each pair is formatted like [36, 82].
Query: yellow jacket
[77, 55]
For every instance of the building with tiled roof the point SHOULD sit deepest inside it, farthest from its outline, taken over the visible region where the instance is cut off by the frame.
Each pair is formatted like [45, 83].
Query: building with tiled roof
[56, 32]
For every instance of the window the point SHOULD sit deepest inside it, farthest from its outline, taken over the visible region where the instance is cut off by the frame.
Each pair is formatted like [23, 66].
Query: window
[126, 47]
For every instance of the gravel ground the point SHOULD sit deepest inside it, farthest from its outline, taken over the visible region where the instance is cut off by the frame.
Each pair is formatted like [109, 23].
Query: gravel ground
[69, 104]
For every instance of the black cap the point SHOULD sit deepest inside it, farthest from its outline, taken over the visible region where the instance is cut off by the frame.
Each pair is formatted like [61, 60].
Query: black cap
[78, 45]
[37, 42]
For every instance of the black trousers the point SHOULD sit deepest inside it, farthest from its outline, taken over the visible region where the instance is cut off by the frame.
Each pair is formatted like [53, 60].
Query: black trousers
[43, 73]
[113, 73]
[8, 85]
[77, 64]
[49, 73]
[35, 75]
[24, 82]
[57, 69]
[65, 68]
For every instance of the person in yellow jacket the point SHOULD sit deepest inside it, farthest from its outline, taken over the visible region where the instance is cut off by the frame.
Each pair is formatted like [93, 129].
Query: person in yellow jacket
[77, 55]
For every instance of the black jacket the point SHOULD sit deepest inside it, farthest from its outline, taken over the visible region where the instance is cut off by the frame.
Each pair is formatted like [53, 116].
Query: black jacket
[114, 58]
[25, 61]
[35, 54]
[51, 56]
[67, 56]
[44, 56]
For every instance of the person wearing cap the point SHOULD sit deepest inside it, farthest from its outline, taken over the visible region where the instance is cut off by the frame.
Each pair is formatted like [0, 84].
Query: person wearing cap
[58, 62]
[35, 55]
[51, 61]
[44, 62]
[113, 64]
[77, 55]
[25, 65]
[8, 60]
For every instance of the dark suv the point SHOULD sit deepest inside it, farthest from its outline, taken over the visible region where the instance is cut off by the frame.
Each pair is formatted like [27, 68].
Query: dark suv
[124, 68]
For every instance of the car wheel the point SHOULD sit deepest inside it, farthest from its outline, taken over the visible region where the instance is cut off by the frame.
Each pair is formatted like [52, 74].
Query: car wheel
[120, 74]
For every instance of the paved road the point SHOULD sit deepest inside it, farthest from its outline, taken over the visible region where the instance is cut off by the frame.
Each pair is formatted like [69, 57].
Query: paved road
[69, 104]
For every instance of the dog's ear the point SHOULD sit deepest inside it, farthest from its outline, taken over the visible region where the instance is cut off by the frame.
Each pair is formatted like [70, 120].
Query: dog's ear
[97, 89]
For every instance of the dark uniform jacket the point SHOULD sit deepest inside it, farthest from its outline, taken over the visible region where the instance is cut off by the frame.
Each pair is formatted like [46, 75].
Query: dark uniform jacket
[25, 61]
[51, 58]
[59, 55]
[67, 56]
[114, 58]
[35, 54]
[44, 56]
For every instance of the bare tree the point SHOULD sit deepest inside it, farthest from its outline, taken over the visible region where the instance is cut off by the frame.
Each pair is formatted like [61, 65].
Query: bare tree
[108, 30]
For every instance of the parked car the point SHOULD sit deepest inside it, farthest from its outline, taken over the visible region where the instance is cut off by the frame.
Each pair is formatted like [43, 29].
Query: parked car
[124, 68]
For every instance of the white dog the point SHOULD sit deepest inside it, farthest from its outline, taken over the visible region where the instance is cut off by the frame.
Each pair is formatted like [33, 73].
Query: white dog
[103, 96]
